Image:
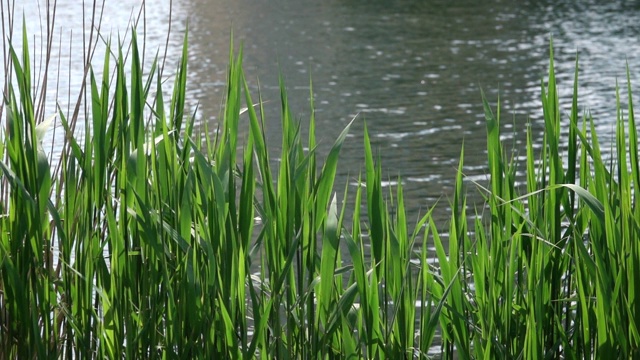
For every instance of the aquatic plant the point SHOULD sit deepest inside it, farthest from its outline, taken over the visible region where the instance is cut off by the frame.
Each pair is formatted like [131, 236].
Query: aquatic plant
[143, 239]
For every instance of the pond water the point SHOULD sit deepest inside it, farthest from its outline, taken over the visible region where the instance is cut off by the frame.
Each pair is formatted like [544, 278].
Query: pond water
[411, 69]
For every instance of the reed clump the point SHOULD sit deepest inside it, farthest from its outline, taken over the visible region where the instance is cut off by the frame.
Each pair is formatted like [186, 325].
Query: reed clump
[142, 241]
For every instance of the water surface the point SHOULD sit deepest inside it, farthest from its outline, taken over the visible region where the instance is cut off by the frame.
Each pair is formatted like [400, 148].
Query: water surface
[412, 70]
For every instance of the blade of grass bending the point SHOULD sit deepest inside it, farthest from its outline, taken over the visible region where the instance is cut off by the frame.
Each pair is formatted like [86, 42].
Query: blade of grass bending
[592, 202]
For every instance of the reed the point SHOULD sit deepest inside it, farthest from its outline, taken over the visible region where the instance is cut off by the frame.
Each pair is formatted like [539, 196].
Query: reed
[142, 241]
